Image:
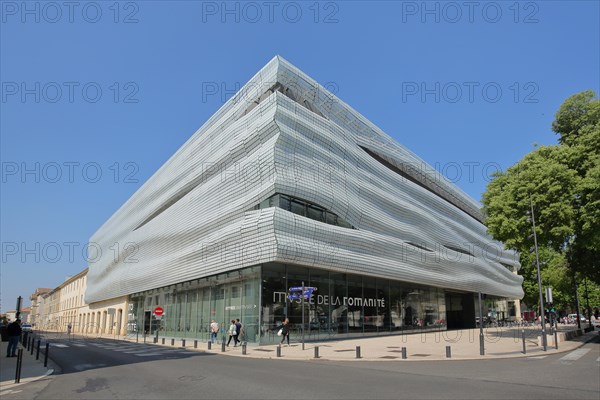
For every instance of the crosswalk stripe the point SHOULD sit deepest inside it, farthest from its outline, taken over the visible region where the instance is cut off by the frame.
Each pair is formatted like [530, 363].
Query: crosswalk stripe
[575, 355]
[139, 350]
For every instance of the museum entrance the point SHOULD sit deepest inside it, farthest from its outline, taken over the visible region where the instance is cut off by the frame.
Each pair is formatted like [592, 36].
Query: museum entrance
[460, 310]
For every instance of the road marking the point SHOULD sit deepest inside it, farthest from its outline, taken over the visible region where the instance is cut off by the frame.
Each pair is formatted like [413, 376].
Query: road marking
[59, 345]
[574, 355]
[9, 391]
[79, 345]
[148, 354]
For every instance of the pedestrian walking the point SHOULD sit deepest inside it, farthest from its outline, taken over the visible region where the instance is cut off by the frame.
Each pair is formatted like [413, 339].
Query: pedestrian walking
[240, 330]
[232, 334]
[14, 333]
[284, 331]
[214, 330]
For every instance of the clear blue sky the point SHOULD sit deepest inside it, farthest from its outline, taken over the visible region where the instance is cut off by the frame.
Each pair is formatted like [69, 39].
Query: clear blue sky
[157, 64]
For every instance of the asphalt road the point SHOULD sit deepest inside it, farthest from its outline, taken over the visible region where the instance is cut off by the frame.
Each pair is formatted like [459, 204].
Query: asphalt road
[105, 369]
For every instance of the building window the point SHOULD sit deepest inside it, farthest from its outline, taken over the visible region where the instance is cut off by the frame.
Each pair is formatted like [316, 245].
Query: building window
[298, 208]
[303, 208]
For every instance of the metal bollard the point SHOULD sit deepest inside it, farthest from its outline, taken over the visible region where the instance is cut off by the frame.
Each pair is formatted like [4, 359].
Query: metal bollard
[316, 351]
[404, 353]
[172, 342]
[182, 342]
[523, 335]
[244, 348]
[195, 344]
[481, 344]
[32, 346]
[448, 352]
[555, 338]
[37, 354]
[46, 354]
[163, 340]
[209, 345]
[358, 352]
[155, 340]
[19, 365]
[279, 351]
[223, 346]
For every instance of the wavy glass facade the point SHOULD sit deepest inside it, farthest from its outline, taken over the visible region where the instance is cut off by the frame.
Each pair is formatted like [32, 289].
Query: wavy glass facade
[285, 176]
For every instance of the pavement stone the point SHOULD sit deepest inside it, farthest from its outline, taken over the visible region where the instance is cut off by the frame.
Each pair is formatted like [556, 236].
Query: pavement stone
[464, 345]
[31, 369]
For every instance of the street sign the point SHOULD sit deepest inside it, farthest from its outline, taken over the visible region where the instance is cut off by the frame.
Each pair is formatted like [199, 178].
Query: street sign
[549, 295]
[158, 311]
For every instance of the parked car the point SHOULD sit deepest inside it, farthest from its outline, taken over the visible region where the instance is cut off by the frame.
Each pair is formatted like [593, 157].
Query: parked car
[26, 328]
[573, 317]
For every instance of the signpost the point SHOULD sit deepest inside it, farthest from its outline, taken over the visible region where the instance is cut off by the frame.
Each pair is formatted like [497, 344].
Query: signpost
[301, 293]
[158, 314]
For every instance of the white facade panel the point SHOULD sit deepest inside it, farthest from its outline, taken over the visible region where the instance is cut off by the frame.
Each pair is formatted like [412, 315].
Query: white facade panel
[195, 217]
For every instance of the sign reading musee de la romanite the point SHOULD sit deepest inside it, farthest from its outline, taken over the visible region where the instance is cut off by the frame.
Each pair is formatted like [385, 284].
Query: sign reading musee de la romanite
[280, 297]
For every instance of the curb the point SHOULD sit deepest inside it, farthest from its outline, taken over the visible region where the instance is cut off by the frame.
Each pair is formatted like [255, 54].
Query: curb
[27, 380]
[480, 358]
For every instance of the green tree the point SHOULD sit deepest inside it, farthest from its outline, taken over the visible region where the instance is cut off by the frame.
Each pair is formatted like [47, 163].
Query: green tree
[563, 183]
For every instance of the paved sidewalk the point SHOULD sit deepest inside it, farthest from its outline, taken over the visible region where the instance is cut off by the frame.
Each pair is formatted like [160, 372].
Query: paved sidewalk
[464, 345]
[31, 369]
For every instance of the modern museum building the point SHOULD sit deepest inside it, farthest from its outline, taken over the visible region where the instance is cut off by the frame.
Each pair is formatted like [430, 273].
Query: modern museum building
[287, 185]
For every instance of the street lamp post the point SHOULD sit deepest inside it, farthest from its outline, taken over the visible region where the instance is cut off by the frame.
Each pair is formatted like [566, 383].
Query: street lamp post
[577, 308]
[303, 290]
[587, 304]
[539, 277]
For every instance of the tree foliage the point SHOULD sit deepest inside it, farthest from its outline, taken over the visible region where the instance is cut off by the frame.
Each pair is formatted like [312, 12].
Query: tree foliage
[563, 183]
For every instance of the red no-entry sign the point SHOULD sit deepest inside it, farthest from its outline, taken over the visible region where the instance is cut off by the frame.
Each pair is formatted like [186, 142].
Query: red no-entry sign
[158, 311]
